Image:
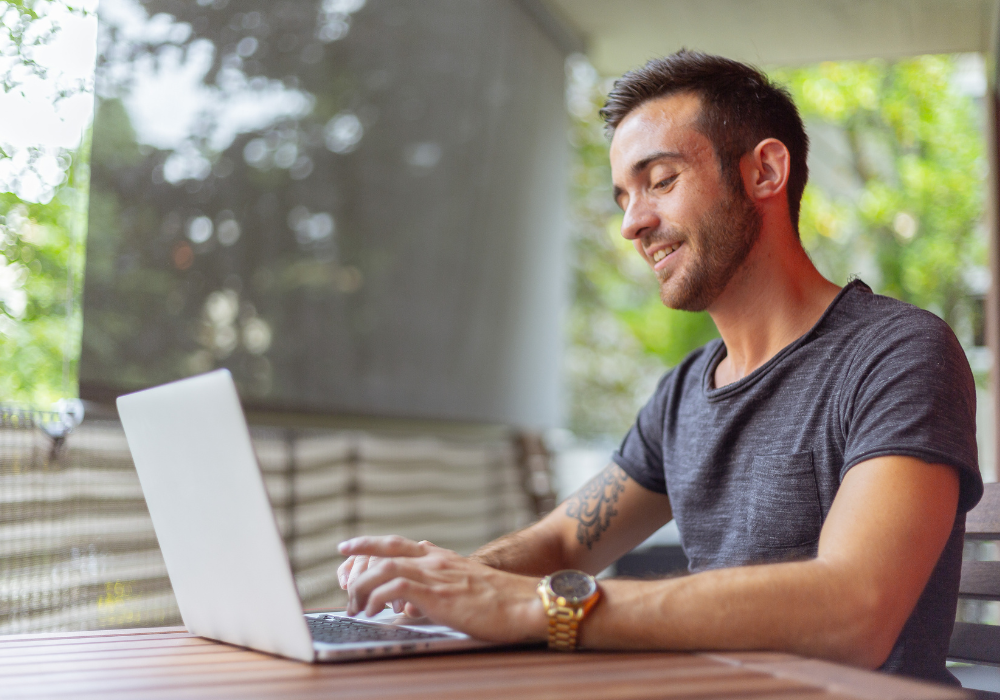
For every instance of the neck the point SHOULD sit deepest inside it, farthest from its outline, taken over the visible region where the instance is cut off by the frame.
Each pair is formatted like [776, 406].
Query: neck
[776, 297]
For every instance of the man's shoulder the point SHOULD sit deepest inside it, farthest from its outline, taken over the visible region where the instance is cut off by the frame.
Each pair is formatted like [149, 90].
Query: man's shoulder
[882, 321]
[887, 342]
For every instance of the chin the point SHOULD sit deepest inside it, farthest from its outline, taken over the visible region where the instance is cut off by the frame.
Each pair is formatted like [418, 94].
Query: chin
[682, 297]
[676, 293]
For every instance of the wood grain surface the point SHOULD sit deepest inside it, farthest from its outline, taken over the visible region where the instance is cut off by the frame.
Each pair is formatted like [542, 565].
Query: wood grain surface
[170, 663]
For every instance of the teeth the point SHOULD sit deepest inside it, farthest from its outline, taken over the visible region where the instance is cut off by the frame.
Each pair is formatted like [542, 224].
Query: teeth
[664, 252]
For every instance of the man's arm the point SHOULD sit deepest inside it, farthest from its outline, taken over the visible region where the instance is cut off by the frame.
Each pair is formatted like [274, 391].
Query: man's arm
[881, 540]
[883, 536]
[606, 518]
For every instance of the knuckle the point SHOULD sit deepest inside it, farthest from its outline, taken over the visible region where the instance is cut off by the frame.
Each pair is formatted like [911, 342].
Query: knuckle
[387, 566]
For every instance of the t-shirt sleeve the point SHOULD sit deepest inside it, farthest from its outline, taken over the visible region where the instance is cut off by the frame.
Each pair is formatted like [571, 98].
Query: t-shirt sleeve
[641, 452]
[911, 393]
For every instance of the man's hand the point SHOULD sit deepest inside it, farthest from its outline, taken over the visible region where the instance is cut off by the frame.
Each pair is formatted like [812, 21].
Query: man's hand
[357, 564]
[447, 588]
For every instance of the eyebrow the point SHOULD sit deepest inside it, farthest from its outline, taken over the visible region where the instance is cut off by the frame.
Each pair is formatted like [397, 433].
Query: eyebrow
[641, 165]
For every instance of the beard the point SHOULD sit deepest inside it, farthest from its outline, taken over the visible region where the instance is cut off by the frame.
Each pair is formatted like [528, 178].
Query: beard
[720, 243]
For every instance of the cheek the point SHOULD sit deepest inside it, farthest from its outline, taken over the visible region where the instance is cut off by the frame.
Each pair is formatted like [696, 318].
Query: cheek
[688, 209]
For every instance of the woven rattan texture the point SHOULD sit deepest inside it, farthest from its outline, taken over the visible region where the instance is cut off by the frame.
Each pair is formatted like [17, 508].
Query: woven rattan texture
[78, 551]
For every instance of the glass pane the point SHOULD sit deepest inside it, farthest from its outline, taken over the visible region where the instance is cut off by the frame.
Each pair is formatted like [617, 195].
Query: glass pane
[354, 207]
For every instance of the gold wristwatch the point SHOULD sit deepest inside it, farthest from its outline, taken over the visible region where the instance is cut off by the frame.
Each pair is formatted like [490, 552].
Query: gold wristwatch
[567, 596]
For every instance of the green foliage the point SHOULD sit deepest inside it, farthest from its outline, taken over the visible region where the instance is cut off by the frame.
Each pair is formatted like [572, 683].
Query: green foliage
[40, 282]
[25, 24]
[916, 156]
[17, 18]
[41, 243]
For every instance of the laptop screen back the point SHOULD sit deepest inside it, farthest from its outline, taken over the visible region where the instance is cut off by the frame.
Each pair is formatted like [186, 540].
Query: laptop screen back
[214, 522]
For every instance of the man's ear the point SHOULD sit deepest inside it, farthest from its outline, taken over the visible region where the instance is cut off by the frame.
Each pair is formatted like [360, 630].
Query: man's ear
[765, 170]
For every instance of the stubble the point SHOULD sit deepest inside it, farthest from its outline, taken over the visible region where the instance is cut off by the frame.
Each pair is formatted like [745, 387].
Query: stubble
[719, 245]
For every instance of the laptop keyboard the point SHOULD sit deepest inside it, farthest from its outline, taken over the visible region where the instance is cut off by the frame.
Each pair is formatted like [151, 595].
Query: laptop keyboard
[333, 629]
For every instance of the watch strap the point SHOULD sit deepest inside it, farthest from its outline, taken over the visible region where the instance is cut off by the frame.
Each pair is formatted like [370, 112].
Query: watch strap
[563, 625]
[564, 619]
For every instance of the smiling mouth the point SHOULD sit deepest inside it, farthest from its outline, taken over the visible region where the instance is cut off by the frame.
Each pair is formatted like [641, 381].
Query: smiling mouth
[664, 252]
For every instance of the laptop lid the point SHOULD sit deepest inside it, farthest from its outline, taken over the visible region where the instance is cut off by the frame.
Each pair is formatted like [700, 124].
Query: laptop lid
[215, 525]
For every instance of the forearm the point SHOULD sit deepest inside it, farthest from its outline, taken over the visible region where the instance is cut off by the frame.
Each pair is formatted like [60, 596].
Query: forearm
[880, 542]
[532, 551]
[609, 516]
[809, 608]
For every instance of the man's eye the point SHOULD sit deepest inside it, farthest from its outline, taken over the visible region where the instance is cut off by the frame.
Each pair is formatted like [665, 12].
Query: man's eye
[666, 182]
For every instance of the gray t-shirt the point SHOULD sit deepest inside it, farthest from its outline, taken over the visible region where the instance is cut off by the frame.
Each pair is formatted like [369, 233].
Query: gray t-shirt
[752, 468]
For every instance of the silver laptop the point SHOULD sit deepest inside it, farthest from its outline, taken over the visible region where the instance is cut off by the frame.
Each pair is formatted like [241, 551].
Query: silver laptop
[224, 555]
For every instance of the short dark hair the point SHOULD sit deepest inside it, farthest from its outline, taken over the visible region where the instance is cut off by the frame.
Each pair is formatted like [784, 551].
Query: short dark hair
[740, 108]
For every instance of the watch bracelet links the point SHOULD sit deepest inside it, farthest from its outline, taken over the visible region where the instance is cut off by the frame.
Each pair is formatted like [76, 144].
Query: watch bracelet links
[563, 625]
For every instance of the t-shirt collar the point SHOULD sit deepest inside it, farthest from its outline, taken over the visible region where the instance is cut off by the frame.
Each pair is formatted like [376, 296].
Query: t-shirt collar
[717, 355]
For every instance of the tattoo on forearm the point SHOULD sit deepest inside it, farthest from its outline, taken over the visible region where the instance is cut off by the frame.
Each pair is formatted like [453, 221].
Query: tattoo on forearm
[593, 506]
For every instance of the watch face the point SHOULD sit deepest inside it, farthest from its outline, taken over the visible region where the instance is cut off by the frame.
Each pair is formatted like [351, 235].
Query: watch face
[573, 585]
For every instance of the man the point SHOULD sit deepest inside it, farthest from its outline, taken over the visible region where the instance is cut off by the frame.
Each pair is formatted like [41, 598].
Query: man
[819, 459]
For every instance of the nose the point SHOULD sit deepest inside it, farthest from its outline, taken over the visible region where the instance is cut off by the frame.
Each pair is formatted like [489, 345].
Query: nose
[639, 219]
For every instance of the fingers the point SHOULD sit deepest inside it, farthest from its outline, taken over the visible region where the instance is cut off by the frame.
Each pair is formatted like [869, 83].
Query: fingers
[389, 546]
[359, 591]
[344, 571]
[363, 553]
[396, 589]
[361, 565]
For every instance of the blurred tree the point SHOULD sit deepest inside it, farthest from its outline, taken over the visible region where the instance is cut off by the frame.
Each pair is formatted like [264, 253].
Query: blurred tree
[40, 280]
[17, 19]
[41, 238]
[896, 196]
[915, 150]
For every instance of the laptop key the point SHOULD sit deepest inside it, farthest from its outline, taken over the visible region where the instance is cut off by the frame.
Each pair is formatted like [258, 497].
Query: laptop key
[333, 629]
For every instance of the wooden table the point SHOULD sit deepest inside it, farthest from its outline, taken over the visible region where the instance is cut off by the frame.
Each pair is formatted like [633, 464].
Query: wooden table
[167, 662]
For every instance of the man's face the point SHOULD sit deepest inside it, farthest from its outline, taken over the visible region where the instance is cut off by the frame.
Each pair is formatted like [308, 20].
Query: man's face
[689, 225]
